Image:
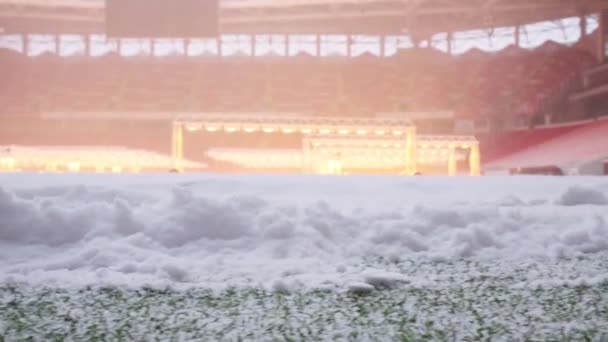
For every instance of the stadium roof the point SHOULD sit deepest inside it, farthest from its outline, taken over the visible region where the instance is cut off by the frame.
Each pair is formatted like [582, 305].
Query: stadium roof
[422, 17]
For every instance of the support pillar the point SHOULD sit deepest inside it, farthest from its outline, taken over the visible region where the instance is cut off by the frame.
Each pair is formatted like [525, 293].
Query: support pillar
[382, 46]
[286, 50]
[318, 46]
[601, 37]
[220, 49]
[411, 159]
[119, 46]
[583, 27]
[517, 36]
[475, 161]
[152, 47]
[57, 43]
[253, 44]
[349, 42]
[452, 167]
[25, 44]
[450, 43]
[177, 145]
[87, 44]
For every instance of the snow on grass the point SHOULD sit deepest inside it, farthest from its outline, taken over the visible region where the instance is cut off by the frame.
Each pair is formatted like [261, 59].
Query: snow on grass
[305, 232]
[471, 303]
[193, 257]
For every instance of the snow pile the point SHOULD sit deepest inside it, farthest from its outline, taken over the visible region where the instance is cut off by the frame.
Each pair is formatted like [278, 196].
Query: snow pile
[577, 195]
[284, 232]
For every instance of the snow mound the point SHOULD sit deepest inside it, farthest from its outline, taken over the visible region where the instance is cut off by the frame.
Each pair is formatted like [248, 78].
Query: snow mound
[284, 232]
[384, 280]
[577, 195]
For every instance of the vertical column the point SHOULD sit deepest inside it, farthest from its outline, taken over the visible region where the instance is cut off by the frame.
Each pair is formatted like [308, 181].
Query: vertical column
[474, 160]
[25, 44]
[450, 42]
[318, 46]
[349, 41]
[253, 44]
[119, 46]
[601, 37]
[517, 36]
[382, 46]
[177, 145]
[152, 43]
[286, 50]
[452, 167]
[583, 27]
[57, 43]
[410, 152]
[220, 49]
[87, 44]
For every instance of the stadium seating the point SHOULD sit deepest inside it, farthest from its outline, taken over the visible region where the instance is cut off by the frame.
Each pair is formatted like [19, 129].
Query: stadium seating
[517, 82]
[497, 146]
[477, 84]
[563, 147]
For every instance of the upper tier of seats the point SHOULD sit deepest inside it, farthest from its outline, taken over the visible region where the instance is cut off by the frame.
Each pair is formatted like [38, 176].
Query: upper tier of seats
[475, 84]
[564, 147]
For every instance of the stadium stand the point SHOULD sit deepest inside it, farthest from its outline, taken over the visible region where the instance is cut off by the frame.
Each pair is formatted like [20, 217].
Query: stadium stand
[420, 80]
[500, 96]
[576, 149]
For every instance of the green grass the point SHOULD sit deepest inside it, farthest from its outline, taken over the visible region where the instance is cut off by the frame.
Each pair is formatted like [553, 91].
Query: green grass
[482, 310]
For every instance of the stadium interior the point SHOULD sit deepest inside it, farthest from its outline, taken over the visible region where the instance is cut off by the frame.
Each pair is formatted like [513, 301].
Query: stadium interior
[527, 80]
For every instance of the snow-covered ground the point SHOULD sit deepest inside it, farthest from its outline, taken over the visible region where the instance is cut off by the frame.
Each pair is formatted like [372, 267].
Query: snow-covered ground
[293, 233]
[209, 258]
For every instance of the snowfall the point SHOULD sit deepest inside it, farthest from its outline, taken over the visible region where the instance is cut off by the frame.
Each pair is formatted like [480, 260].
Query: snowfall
[295, 233]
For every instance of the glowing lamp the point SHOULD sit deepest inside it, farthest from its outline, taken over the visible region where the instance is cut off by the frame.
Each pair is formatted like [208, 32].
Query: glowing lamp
[288, 130]
[211, 128]
[74, 166]
[343, 131]
[324, 131]
[380, 132]
[397, 132]
[191, 127]
[267, 129]
[230, 129]
[361, 132]
[249, 129]
[306, 130]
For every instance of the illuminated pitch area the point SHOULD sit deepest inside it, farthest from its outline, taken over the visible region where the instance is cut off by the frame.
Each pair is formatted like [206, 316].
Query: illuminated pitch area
[333, 145]
[99, 159]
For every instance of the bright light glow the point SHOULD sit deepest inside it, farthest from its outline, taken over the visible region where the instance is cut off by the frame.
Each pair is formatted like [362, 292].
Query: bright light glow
[380, 132]
[268, 129]
[116, 169]
[231, 129]
[249, 129]
[211, 128]
[306, 130]
[397, 132]
[361, 131]
[288, 130]
[191, 127]
[324, 131]
[7, 163]
[343, 131]
[74, 166]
